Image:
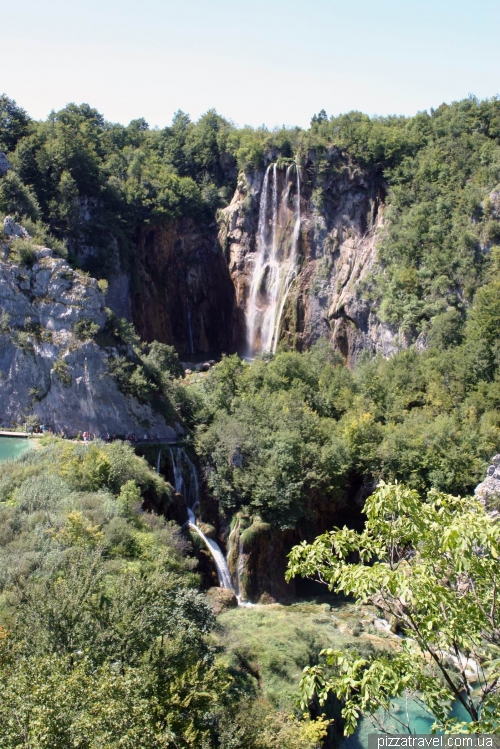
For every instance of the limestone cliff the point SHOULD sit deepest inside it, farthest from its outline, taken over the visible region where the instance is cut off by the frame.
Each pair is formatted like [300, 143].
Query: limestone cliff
[181, 291]
[341, 215]
[188, 282]
[46, 369]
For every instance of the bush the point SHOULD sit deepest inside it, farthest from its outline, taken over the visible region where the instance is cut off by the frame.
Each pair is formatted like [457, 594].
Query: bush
[23, 252]
[131, 378]
[163, 359]
[16, 199]
[41, 235]
[85, 329]
[61, 369]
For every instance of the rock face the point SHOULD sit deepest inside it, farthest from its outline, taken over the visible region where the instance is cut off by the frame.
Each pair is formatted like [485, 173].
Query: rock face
[13, 229]
[188, 283]
[45, 369]
[340, 220]
[181, 290]
[488, 491]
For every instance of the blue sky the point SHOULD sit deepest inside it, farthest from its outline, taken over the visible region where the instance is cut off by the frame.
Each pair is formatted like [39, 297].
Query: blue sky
[275, 62]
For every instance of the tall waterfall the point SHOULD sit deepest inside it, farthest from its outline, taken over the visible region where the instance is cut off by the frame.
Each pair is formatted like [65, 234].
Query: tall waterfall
[182, 467]
[276, 258]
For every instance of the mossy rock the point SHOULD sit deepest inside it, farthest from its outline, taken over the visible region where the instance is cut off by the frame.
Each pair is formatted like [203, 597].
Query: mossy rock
[221, 599]
[266, 599]
[207, 529]
[196, 540]
[249, 536]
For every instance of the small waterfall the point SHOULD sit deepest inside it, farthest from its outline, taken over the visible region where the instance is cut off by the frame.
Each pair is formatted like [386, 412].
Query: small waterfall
[276, 260]
[176, 454]
[235, 552]
[220, 561]
[158, 462]
[191, 493]
[194, 487]
[239, 572]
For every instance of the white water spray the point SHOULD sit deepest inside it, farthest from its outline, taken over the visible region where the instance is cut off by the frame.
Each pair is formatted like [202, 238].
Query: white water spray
[191, 493]
[220, 561]
[276, 260]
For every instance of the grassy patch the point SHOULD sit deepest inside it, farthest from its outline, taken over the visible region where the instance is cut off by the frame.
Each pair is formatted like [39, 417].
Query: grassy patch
[272, 644]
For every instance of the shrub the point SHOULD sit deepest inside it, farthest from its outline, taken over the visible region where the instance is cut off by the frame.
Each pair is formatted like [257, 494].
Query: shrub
[61, 369]
[17, 199]
[43, 492]
[41, 235]
[85, 329]
[23, 252]
[103, 286]
[4, 322]
[129, 499]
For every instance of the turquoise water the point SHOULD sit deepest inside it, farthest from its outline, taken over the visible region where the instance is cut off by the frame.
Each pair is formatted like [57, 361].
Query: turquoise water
[12, 447]
[420, 722]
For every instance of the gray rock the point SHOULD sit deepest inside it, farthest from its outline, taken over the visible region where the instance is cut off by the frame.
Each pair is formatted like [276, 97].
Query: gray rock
[44, 252]
[488, 491]
[4, 164]
[77, 395]
[494, 197]
[12, 229]
[236, 459]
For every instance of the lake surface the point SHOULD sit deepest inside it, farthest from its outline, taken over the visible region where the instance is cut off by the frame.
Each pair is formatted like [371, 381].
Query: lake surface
[421, 722]
[12, 447]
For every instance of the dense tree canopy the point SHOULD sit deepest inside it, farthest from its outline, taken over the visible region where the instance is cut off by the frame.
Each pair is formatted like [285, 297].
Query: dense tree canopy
[304, 426]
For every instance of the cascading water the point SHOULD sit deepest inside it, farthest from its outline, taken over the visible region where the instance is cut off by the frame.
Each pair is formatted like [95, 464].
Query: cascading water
[239, 574]
[176, 454]
[190, 490]
[220, 561]
[276, 259]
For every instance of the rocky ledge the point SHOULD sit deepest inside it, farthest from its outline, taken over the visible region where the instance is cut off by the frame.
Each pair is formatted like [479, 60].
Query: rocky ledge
[488, 491]
[52, 367]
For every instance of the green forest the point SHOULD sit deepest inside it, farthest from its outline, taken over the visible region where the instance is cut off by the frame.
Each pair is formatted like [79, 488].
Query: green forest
[439, 169]
[107, 639]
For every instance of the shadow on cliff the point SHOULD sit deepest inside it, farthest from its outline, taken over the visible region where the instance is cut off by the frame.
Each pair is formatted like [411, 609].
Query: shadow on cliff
[181, 290]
